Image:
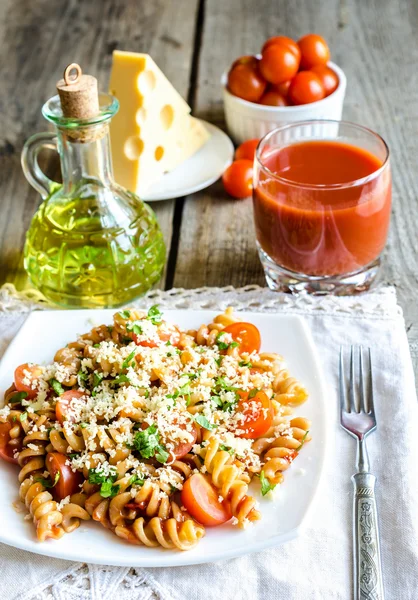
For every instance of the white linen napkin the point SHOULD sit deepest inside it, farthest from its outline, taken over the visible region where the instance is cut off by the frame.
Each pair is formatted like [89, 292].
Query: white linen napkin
[317, 565]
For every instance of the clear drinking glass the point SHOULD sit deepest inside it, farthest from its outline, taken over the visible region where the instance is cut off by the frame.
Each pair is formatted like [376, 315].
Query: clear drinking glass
[319, 228]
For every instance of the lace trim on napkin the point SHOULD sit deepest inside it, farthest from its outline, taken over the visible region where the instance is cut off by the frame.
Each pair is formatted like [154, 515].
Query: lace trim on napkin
[378, 303]
[87, 582]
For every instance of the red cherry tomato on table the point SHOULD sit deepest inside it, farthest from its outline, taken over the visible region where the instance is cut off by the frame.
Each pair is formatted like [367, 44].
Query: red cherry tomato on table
[246, 150]
[201, 500]
[258, 414]
[286, 41]
[305, 88]
[245, 79]
[247, 336]
[68, 482]
[238, 178]
[6, 451]
[272, 98]
[64, 403]
[328, 77]
[278, 63]
[34, 372]
[314, 51]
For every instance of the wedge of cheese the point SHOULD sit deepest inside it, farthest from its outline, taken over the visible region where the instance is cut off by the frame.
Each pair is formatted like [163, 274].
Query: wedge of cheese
[153, 131]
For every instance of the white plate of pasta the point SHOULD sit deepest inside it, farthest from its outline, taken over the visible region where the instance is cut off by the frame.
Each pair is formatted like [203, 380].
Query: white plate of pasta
[147, 439]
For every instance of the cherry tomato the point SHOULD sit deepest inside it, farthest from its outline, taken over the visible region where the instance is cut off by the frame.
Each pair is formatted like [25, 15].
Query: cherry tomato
[182, 448]
[64, 402]
[246, 150]
[305, 88]
[272, 98]
[328, 77]
[281, 88]
[245, 79]
[6, 451]
[68, 481]
[238, 178]
[247, 336]
[278, 63]
[166, 332]
[34, 371]
[286, 41]
[258, 414]
[314, 51]
[200, 499]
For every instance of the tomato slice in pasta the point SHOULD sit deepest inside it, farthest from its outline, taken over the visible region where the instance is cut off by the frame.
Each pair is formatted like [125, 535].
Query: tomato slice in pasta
[201, 500]
[258, 413]
[66, 481]
[64, 403]
[183, 448]
[6, 451]
[27, 373]
[246, 335]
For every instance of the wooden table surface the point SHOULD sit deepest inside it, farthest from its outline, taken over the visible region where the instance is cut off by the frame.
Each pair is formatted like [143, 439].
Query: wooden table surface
[210, 237]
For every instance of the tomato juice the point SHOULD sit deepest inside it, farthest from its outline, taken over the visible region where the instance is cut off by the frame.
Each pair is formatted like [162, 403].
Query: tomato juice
[321, 207]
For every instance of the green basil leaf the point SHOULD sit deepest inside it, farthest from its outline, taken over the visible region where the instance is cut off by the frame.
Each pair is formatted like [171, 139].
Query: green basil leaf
[203, 422]
[266, 486]
[56, 386]
[16, 398]
[125, 314]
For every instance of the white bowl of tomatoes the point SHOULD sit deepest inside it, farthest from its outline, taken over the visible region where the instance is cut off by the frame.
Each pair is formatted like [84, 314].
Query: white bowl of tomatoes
[288, 82]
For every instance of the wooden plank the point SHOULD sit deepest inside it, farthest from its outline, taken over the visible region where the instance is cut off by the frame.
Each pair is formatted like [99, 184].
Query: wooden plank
[39, 38]
[369, 41]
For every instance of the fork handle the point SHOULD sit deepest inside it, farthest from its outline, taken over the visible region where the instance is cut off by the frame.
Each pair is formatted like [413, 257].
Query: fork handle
[368, 582]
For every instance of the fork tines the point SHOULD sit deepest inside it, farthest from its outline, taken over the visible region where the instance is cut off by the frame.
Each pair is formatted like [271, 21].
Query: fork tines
[360, 390]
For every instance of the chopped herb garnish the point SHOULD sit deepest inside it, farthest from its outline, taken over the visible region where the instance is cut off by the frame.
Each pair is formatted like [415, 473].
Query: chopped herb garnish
[302, 442]
[126, 363]
[155, 315]
[147, 443]
[23, 416]
[244, 363]
[125, 314]
[83, 425]
[122, 379]
[203, 422]
[226, 449]
[73, 455]
[56, 386]
[96, 345]
[189, 375]
[47, 482]
[107, 489]
[169, 354]
[16, 398]
[253, 393]
[219, 361]
[135, 328]
[223, 345]
[266, 486]
[168, 343]
[97, 379]
[136, 480]
[82, 378]
[14, 418]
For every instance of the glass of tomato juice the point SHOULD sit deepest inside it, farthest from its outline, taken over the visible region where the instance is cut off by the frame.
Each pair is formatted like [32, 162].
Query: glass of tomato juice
[322, 203]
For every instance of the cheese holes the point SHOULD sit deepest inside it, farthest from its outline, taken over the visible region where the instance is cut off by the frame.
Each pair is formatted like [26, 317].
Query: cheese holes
[167, 116]
[146, 82]
[141, 116]
[159, 153]
[133, 147]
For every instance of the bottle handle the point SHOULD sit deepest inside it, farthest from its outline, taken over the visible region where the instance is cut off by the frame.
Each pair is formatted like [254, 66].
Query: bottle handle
[30, 165]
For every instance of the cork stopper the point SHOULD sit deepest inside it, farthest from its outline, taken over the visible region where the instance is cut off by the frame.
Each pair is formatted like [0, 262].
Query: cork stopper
[78, 93]
[79, 100]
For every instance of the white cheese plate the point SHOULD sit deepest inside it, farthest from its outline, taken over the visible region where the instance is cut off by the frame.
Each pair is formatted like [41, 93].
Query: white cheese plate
[283, 517]
[197, 172]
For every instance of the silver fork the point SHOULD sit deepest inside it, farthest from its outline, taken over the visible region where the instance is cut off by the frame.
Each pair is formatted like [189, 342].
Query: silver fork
[358, 418]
